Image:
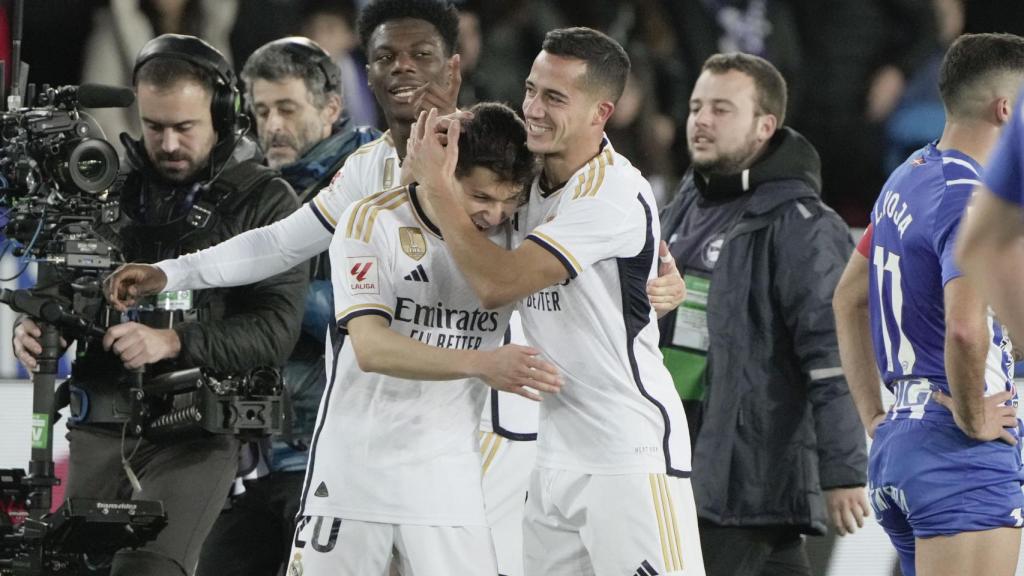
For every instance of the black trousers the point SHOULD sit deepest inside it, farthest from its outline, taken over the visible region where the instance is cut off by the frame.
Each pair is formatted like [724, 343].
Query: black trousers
[190, 477]
[254, 536]
[760, 551]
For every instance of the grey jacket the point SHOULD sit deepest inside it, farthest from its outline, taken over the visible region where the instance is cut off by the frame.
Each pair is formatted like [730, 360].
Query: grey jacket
[777, 424]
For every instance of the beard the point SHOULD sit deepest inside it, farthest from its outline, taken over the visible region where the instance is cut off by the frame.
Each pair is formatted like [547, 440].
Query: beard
[176, 176]
[727, 163]
[307, 138]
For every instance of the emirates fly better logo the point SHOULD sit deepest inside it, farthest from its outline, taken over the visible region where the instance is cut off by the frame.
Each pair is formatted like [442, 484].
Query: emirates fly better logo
[362, 275]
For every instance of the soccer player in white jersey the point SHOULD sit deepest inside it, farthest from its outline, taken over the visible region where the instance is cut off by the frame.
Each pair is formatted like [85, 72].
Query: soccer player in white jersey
[409, 44]
[610, 492]
[396, 463]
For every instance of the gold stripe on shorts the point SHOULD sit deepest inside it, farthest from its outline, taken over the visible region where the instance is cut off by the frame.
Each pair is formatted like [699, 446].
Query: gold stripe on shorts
[656, 497]
[490, 449]
[665, 510]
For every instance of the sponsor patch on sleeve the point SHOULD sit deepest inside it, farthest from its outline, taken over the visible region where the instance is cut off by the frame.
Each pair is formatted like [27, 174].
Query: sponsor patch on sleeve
[363, 276]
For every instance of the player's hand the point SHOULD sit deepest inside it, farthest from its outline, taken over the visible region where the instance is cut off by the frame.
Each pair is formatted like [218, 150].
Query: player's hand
[443, 97]
[132, 281]
[668, 290]
[443, 122]
[433, 164]
[519, 370]
[138, 345]
[847, 508]
[873, 425]
[989, 424]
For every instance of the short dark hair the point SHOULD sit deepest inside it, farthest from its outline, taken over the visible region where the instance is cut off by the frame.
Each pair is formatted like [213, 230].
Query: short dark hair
[768, 81]
[295, 58]
[495, 138]
[607, 62]
[166, 71]
[974, 59]
[439, 13]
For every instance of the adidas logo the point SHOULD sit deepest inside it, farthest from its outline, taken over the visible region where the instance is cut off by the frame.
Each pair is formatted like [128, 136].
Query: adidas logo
[418, 274]
[321, 491]
[645, 569]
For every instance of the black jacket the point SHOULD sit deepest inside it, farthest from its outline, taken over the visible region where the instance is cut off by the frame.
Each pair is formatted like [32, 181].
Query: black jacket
[245, 326]
[778, 423]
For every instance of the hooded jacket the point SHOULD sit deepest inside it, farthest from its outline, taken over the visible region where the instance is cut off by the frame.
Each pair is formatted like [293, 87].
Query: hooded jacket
[777, 424]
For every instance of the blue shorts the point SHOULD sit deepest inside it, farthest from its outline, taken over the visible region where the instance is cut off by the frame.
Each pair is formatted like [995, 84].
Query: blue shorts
[927, 478]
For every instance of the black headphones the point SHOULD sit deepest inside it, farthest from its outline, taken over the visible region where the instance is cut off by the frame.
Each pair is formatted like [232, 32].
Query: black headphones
[304, 51]
[226, 104]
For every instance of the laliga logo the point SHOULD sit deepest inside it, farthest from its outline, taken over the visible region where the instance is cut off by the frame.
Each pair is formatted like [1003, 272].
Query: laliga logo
[360, 272]
[362, 275]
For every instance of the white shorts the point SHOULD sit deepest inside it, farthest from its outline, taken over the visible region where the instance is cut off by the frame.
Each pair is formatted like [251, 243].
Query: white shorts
[610, 525]
[325, 546]
[506, 467]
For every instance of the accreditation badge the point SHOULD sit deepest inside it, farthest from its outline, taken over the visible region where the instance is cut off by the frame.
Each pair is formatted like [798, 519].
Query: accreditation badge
[174, 300]
[686, 355]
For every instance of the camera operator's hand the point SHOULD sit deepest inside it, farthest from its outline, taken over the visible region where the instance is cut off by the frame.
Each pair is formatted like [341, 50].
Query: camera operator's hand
[138, 345]
[27, 345]
[132, 281]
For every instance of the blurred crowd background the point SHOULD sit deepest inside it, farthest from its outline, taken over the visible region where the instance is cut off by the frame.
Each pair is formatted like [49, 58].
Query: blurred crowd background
[862, 73]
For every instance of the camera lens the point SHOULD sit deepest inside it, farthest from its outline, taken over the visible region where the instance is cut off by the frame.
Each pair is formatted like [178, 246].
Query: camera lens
[92, 165]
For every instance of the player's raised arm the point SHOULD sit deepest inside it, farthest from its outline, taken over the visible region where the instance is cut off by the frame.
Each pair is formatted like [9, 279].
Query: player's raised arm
[498, 276]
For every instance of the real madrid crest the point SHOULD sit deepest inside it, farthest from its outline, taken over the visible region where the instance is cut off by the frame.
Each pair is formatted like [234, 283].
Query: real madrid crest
[413, 242]
[295, 566]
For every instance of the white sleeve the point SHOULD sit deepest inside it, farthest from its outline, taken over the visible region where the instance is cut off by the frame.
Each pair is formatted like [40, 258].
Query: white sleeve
[251, 256]
[587, 230]
[336, 197]
[361, 275]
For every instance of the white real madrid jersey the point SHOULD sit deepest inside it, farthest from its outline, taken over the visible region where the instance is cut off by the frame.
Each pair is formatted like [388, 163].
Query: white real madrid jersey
[511, 415]
[618, 411]
[375, 167]
[371, 168]
[387, 449]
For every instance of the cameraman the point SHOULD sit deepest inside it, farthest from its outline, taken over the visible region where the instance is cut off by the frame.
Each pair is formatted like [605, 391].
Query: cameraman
[295, 90]
[193, 181]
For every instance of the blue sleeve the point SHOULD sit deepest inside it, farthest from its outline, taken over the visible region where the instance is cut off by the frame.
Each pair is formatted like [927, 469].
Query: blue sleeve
[1003, 173]
[947, 222]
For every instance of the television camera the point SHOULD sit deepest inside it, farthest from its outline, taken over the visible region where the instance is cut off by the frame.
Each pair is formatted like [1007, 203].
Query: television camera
[59, 206]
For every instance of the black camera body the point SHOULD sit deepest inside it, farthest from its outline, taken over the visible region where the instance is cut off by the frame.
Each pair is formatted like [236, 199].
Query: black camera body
[82, 531]
[59, 178]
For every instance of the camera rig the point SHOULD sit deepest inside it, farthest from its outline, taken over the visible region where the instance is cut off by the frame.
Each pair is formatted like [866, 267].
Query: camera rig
[59, 201]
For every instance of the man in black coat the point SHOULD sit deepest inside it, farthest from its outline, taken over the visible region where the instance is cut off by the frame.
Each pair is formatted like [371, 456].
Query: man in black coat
[778, 443]
[194, 181]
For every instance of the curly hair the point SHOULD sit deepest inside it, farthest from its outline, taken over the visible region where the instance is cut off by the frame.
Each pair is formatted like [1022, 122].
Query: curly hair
[440, 13]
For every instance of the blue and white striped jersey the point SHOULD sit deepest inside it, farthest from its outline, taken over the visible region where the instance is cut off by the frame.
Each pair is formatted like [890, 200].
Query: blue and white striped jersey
[915, 220]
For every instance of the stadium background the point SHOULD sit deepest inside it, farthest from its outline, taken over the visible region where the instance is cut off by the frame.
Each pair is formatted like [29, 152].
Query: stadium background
[862, 77]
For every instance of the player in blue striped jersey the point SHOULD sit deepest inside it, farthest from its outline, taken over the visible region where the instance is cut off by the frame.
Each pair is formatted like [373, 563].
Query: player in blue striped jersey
[944, 474]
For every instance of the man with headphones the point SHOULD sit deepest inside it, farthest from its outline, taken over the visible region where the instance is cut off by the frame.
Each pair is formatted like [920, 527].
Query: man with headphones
[294, 89]
[193, 181]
